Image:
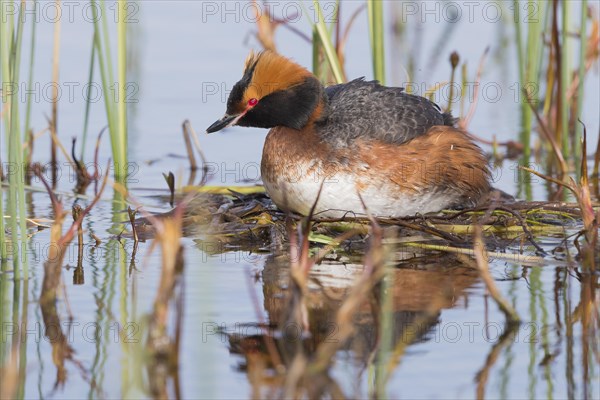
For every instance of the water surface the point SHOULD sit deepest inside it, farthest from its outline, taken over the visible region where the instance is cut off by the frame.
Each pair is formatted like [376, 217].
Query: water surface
[185, 60]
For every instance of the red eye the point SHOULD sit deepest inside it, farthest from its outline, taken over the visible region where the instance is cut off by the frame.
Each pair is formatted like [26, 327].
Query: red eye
[252, 102]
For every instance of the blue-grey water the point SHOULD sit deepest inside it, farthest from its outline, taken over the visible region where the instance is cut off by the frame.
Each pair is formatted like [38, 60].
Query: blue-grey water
[185, 56]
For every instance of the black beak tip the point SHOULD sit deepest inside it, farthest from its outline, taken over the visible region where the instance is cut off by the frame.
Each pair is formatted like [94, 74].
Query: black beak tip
[216, 126]
[220, 124]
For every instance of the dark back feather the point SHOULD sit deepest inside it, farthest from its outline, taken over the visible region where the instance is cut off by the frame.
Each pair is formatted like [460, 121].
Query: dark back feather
[367, 109]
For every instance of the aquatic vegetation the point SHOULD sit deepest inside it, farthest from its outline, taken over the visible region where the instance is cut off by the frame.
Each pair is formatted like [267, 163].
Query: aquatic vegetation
[116, 108]
[164, 349]
[10, 65]
[348, 307]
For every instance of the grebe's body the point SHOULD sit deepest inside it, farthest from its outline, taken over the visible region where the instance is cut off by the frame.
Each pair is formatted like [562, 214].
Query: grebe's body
[397, 152]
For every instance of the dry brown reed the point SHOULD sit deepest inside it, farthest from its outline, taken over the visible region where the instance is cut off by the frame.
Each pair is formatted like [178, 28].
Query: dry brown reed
[61, 349]
[54, 96]
[191, 136]
[304, 368]
[170, 179]
[10, 374]
[590, 217]
[163, 347]
[481, 258]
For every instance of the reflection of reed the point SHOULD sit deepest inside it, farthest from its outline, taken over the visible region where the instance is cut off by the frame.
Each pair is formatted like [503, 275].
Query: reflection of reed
[23, 339]
[507, 337]
[512, 318]
[13, 346]
[163, 365]
[587, 311]
[10, 376]
[104, 314]
[78, 275]
[413, 291]
[61, 350]
[418, 296]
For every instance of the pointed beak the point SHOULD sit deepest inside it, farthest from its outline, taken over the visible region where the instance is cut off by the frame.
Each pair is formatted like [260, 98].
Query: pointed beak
[224, 122]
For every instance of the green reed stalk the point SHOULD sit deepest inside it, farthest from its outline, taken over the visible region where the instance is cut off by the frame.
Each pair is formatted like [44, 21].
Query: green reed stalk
[316, 52]
[19, 160]
[532, 65]
[519, 39]
[320, 66]
[122, 91]
[4, 51]
[325, 39]
[375, 13]
[525, 111]
[86, 116]
[11, 42]
[115, 110]
[103, 73]
[546, 11]
[334, 20]
[564, 77]
[16, 159]
[529, 64]
[29, 85]
[106, 39]
[581, 86]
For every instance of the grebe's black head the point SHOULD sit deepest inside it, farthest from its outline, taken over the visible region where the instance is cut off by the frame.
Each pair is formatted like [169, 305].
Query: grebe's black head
[274, 91]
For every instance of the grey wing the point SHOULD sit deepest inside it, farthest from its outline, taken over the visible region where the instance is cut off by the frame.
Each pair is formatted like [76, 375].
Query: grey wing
[359, 108]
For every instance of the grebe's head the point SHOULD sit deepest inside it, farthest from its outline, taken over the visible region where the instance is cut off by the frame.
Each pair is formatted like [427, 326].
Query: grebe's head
[274, 91]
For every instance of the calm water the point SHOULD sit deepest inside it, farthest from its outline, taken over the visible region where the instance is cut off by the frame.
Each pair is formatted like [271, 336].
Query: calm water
[187, 55]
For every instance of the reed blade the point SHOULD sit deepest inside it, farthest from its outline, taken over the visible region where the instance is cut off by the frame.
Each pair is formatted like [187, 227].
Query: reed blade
[375, 11]
[325, 40]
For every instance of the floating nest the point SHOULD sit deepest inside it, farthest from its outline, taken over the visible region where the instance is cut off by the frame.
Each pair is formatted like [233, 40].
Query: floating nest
[230, 220]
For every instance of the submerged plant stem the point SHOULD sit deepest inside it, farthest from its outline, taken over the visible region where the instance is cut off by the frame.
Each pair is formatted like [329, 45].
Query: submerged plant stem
[481, 257]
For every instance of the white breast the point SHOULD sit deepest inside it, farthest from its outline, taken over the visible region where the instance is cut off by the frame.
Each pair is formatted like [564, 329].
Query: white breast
[339, 196]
